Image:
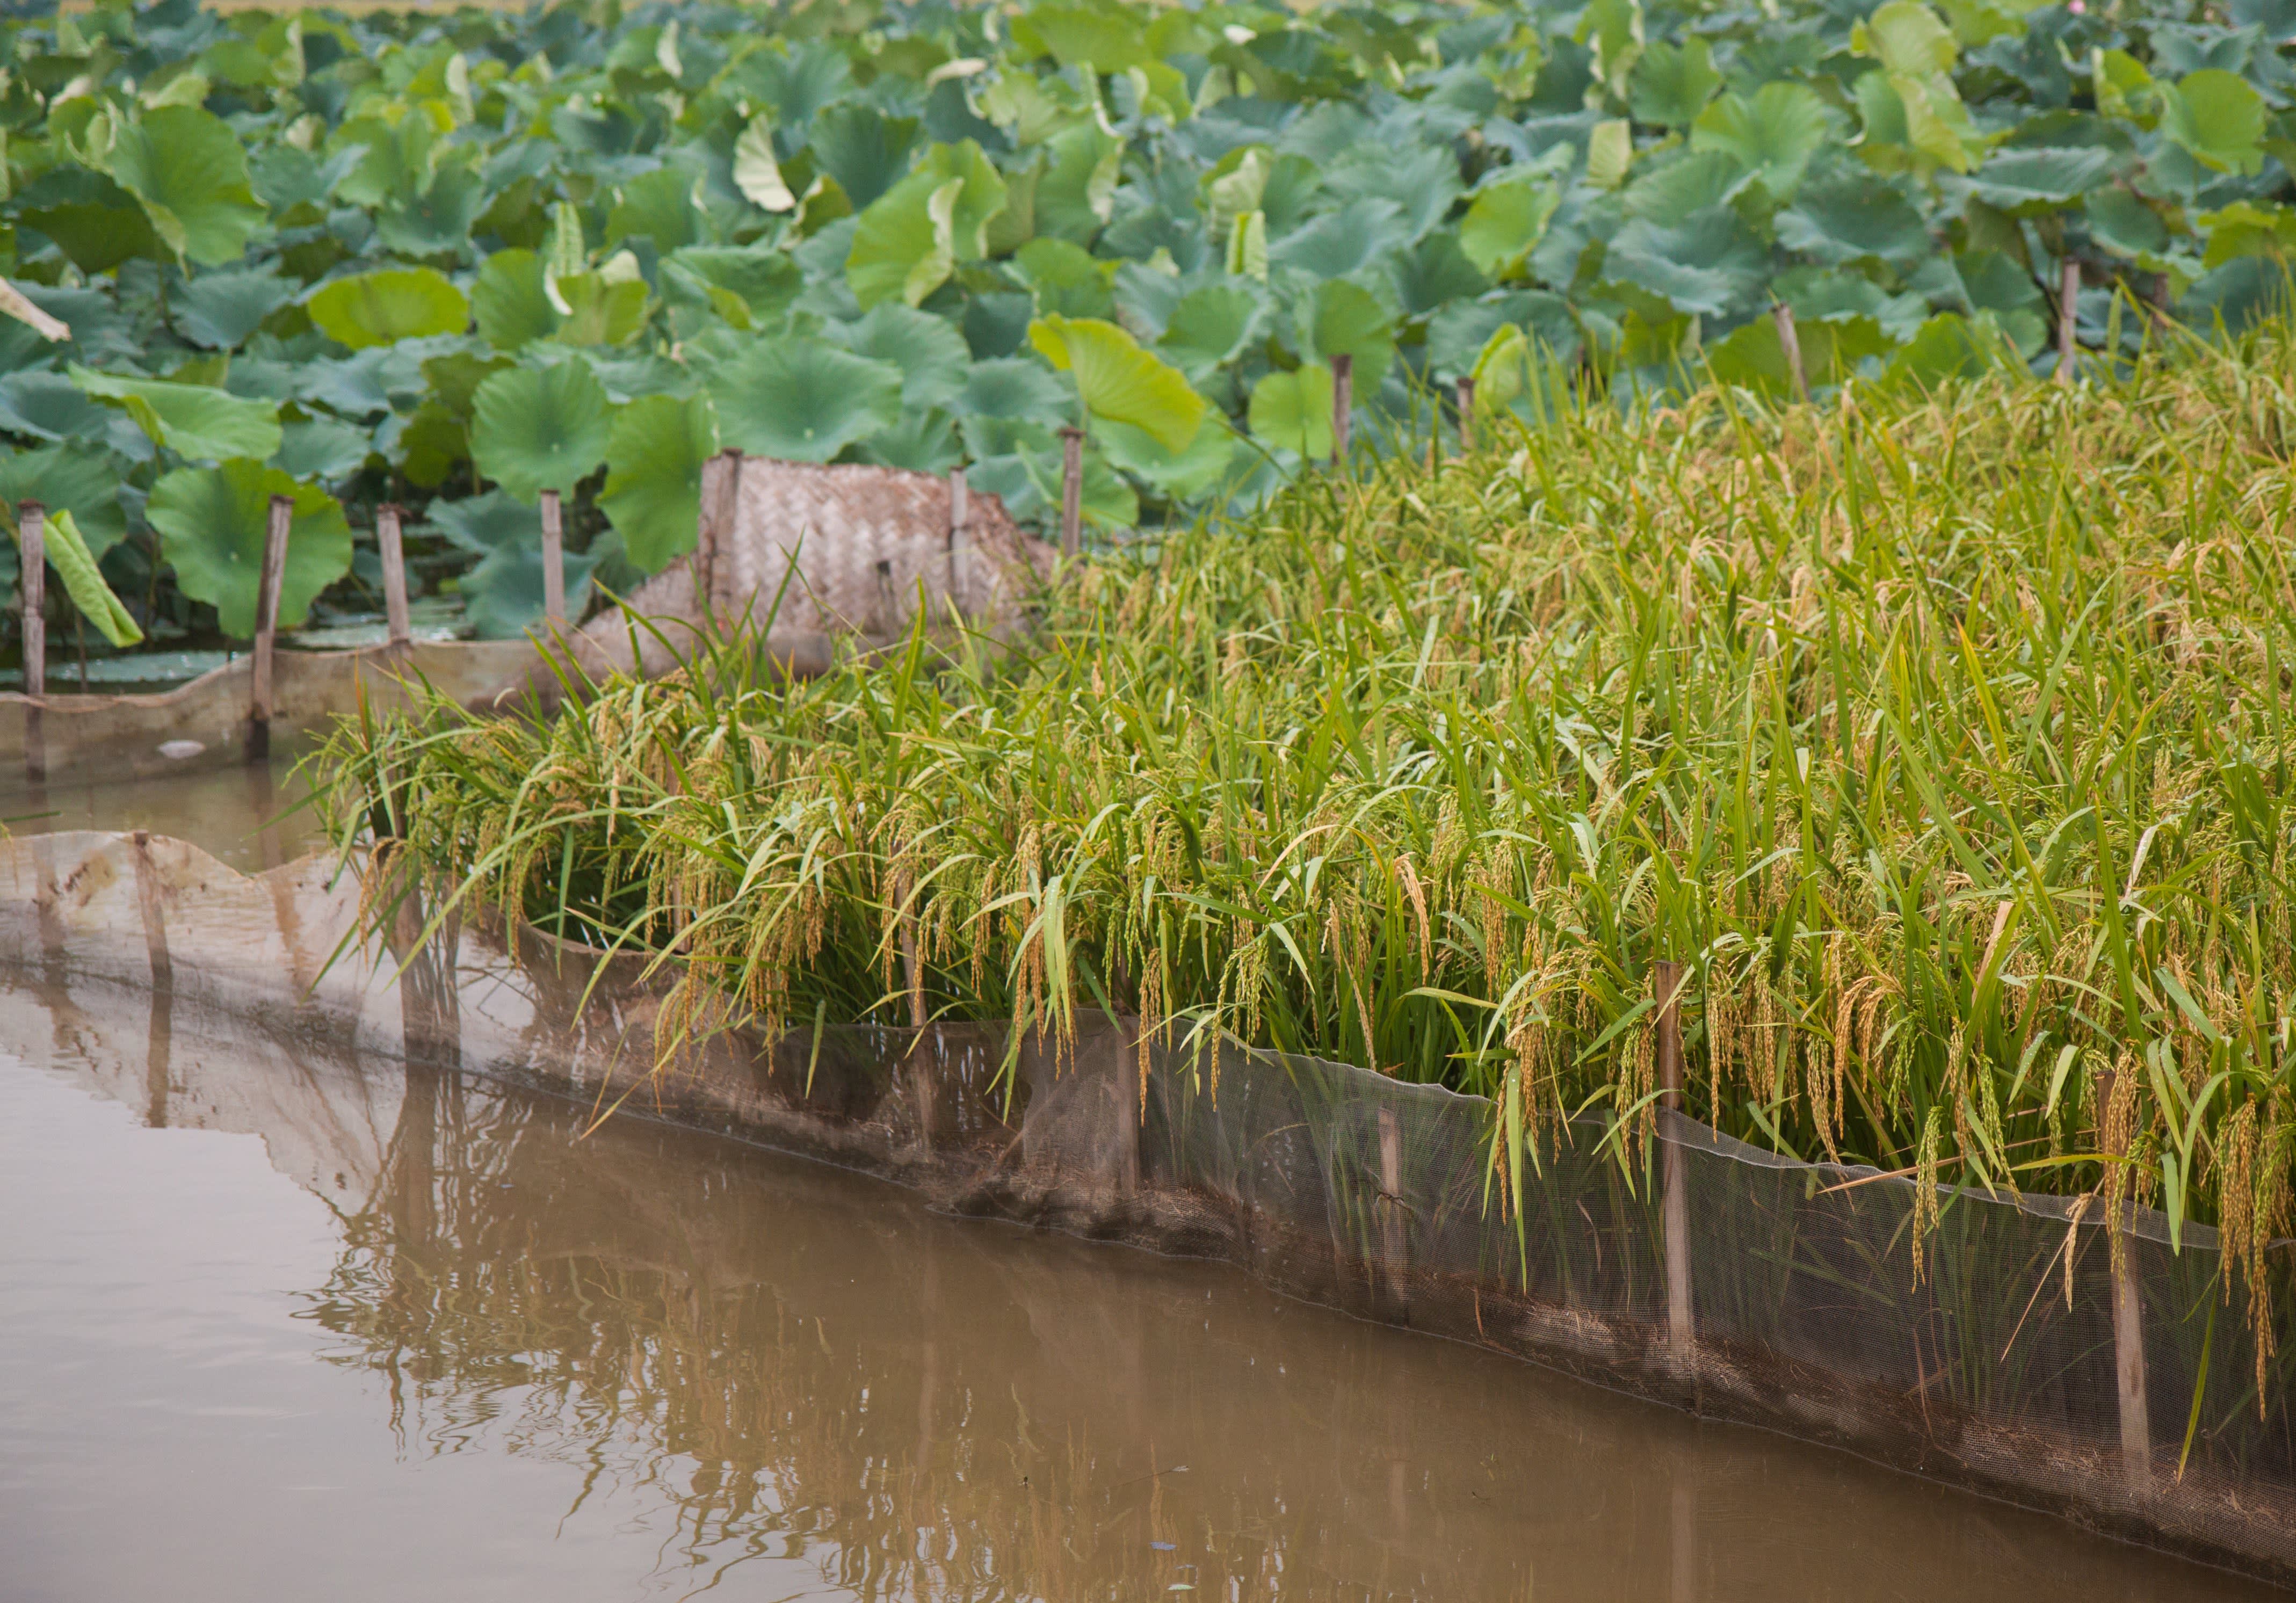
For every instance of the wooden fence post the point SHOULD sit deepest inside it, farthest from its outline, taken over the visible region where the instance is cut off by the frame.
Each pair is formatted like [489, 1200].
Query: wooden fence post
[960, 513]
[32, 588]
[1466, 415]
[1791, 340]
[721, 506]
[1665, 982]
[1343, 406]
[553, 564]
[261, 701]
[1393, 1246]
[2128, 1320]
[2068, 316]
[388, 537]
[1071, 491]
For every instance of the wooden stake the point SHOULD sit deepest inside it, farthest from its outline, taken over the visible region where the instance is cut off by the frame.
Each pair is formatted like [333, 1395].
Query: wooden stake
[266, 626]
[32, 538]
[2127, 1330]
[1343, 406]
[553, 564]
[721, 498]
[1665, 982]
[1071, 491]
[394, 571]
[1392, 1247]
[2068, 316]
[1782, 315]
[1466, 416]
[960, 513]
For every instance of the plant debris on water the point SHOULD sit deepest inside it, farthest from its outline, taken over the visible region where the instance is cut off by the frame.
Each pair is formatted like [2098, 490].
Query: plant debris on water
[1943, 736]
[454, 259]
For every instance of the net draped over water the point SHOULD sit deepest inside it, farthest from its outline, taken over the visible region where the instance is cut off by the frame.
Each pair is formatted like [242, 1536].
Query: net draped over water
[2026, 1357]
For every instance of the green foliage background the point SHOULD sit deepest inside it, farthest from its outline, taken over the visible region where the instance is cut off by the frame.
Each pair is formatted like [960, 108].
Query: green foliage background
[418, 255]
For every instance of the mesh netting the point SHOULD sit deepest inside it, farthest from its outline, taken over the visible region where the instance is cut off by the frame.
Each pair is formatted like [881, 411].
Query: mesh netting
[2026, 1357]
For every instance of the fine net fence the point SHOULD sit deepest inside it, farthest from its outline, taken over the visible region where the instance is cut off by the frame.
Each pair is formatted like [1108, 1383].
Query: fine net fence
[2012, 1344]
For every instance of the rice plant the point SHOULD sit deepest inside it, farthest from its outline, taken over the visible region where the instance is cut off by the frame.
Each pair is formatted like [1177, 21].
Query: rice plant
[1943, 736]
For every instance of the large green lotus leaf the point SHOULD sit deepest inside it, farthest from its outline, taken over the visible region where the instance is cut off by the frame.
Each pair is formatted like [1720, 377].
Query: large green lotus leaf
[190, 420]
[757, 170]
[2029, 182]
[1083, 36]
[433, 443]
[48, 405]
[866, 150]
[930, 351]
[436, 219]
[1292, 411]
[213, 523]
[1434, 273]
[1207, 464]
[2218, 118]
[1344, 319]
[1993, 282]
[2245, 228]
[1504, 221]
[1687, 181]
[765, 281]
[1421, 180]
[511, 300]
[189, 169]
[502, 596]
[1907, 39]
[658, 206]
[321, 448]
[1772, 133]
[220, 310]
[95, 237]
[1027, 481]
[1705, 264]
[1075, 193]
[536, 429]
[1065, 278]
[803, 399]
[80, 479]
[653, 476]
[1672, 83]
[2123, 223]
[1358, 236]
[1117, 380]
[1211, 326]
[1977, 23]
[386, 306]
[1853, 218]
[285, 177]
[922, 441]
[2240, 294]
[910, 239]
[1015, 387]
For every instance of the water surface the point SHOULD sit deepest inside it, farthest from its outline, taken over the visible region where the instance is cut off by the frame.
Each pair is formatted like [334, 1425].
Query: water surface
[274, 1322]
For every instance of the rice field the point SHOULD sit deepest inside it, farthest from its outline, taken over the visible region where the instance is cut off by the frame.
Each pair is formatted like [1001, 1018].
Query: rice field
[1943, 737]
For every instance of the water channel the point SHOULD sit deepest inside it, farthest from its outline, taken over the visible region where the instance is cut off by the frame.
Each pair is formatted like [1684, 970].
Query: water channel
[275, 1321]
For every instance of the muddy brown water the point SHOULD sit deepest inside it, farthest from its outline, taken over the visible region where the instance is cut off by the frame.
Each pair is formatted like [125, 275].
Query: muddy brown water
[247, 817]
[276, 1321]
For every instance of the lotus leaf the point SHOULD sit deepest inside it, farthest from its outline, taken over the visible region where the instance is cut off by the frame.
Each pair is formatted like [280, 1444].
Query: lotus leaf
[502, 596]
[190, 171]
[386, 306]
[803, 399]
[77, 478]
[69, 554]
[1772, 133]
[1117, 380]
[190, 420]
[540, 429]
[2218, 118]
[1292, 411]
[213, 523]
[511, 300]
[219, 310]
[653, 476]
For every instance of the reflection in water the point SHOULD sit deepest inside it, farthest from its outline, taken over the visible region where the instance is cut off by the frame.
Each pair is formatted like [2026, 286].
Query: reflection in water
[245, 814]
[772, 1380]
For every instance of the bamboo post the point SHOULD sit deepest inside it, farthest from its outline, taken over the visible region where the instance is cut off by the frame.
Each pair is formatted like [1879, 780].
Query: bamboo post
[1071, 491]
[912, 981]
[721, 497]
[2127, 1326]
[32, 537]
[1466, 415]
[960, 513]
[1666, 981]
[2068, 316]
[553, 564]
[1393, 1248]
[1791, 340]
[388, 537]
[261, 701]
[1343, 406]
